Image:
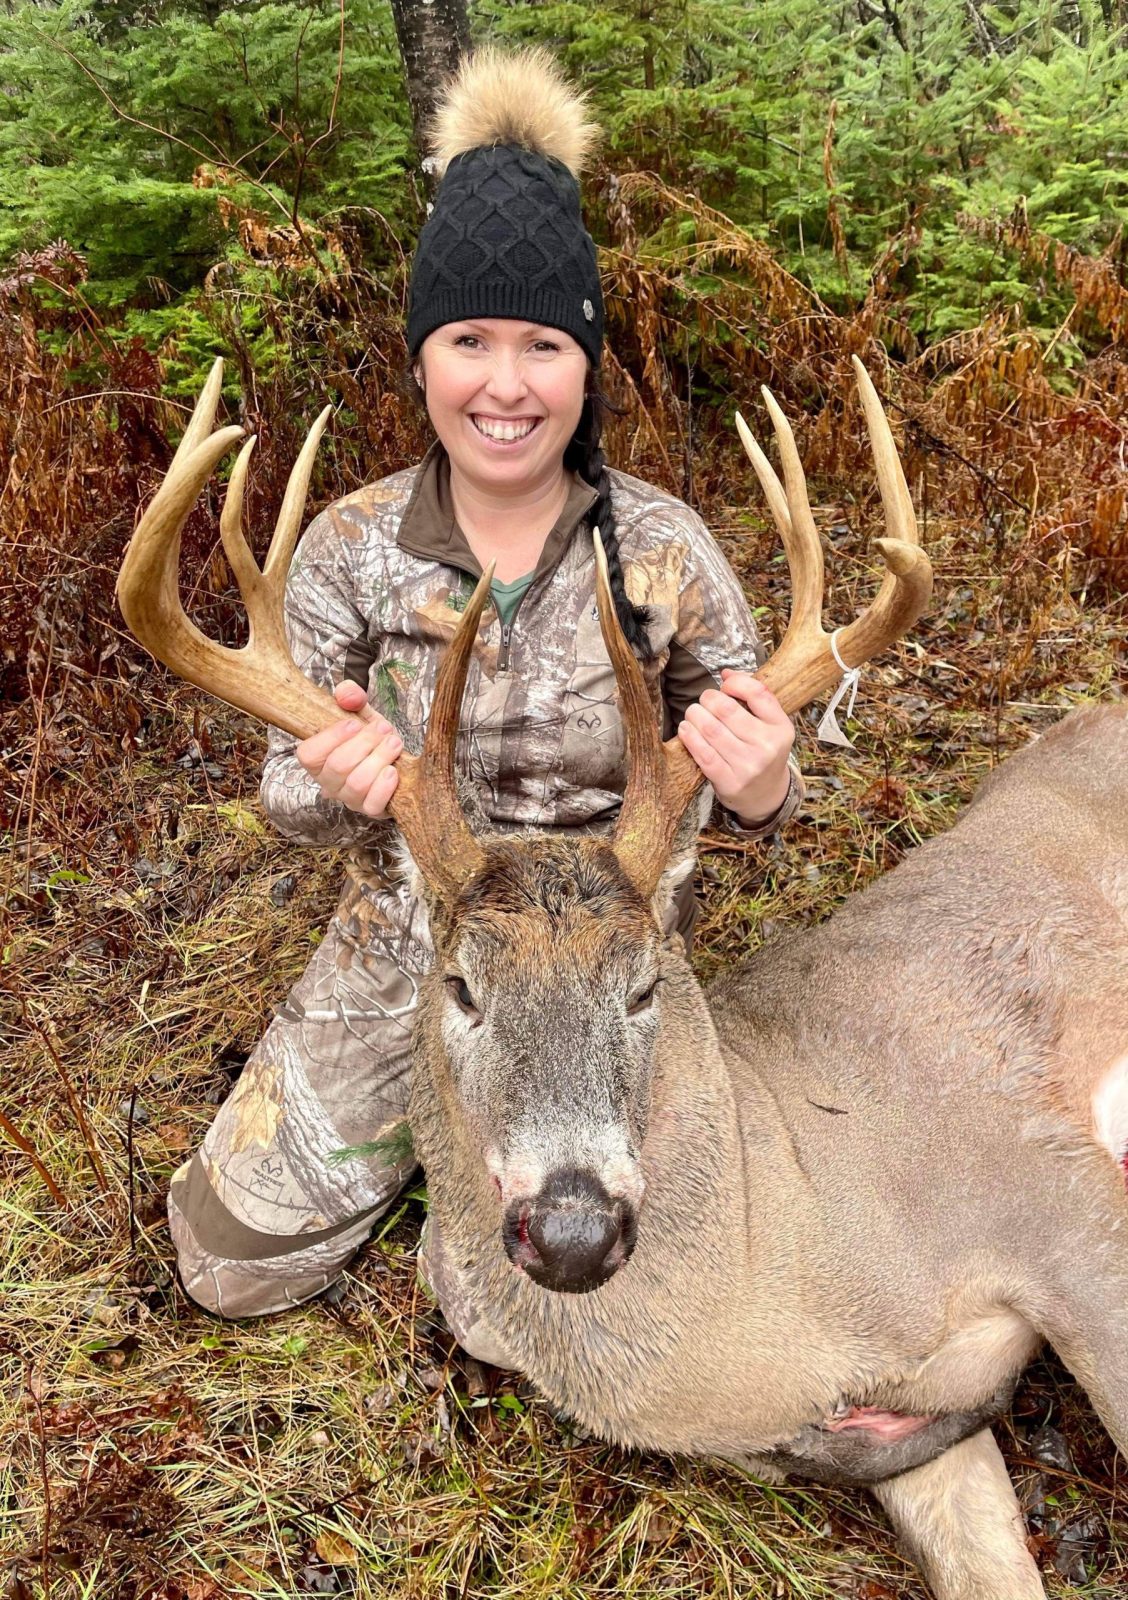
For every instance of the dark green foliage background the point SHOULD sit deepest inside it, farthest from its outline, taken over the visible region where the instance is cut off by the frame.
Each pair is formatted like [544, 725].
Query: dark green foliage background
[943, 110]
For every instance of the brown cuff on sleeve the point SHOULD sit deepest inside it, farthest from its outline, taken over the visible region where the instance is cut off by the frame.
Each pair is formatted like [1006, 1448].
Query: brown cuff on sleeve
[792, 800]
[685, 679]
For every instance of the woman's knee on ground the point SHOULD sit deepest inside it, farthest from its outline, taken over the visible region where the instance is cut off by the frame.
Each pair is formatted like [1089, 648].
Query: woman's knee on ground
[241, 1273]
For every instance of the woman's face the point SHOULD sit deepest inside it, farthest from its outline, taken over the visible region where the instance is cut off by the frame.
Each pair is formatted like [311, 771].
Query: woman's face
[504, 398]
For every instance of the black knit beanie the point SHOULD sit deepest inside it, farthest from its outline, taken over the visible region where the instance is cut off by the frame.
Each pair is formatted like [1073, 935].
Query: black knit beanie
[506, 238]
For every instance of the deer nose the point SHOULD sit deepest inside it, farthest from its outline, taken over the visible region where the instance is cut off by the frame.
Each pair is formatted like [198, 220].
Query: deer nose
[572, 1236]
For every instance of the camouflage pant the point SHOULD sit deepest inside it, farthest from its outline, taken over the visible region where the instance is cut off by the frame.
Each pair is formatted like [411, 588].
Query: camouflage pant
[269, 1210]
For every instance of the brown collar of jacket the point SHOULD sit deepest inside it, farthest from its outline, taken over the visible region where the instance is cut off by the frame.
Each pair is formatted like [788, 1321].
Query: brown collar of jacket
[430, 529]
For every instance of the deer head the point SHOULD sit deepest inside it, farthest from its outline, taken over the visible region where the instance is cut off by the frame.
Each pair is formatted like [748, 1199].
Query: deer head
[541, 1018]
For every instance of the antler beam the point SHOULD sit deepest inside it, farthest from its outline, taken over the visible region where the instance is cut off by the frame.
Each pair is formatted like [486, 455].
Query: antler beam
[662, 778]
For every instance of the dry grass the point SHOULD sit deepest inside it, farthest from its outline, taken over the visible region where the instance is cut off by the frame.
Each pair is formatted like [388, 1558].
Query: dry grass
[151, 922]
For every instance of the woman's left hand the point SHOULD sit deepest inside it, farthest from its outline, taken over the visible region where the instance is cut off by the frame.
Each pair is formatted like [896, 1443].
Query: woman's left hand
[740, 736]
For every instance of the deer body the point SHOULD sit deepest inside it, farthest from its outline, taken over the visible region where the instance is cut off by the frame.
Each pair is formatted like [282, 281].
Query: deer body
[872, 1174]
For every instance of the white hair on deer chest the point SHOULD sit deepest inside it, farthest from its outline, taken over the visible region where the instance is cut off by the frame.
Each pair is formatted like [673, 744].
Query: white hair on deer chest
[1110, 1111]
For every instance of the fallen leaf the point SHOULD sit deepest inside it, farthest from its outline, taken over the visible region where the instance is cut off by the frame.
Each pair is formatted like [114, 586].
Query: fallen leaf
[335, 1550]
[251, 1570]
[113, 1354]
[319, 1578]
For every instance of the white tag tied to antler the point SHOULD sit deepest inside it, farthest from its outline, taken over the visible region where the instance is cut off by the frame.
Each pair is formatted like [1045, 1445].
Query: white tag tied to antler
[828, 731]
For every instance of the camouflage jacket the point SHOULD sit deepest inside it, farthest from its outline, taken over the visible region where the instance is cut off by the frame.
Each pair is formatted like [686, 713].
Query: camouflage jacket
[375, 592]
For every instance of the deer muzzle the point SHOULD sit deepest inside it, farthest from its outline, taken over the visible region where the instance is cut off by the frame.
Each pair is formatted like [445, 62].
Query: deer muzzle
[572, 1236]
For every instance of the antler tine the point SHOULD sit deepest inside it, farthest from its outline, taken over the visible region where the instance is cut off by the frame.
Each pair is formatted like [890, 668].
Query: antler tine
[661, 778]
[264, 593]
[804, 665]
[425, 804]
[261, 678]
[792, 513]
[289, 525]
[201, 421]
[899, 514]
[773, 489]
[235, 547]
[908, 582]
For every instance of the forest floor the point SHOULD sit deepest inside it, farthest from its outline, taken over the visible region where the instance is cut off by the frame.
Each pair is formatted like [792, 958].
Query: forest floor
[150, 1452]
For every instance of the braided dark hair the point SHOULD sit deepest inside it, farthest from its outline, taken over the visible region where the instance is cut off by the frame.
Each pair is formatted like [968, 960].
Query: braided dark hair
[584, 454]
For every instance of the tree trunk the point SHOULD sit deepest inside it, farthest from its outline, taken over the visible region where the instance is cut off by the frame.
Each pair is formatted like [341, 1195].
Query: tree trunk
[433, 37]
[646, 15]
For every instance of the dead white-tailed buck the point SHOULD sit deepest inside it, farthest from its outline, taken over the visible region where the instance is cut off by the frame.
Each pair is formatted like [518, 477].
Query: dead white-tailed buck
[825, 1211]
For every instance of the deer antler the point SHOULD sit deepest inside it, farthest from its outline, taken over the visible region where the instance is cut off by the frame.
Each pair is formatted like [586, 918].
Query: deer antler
[262, 678]
[804, 665]
[663, 778]
[425, 805]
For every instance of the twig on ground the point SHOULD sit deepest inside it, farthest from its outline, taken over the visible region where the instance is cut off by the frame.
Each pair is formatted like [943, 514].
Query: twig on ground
[21, 1142]
[73, 1101]
[34, 1389]
[129, 1161]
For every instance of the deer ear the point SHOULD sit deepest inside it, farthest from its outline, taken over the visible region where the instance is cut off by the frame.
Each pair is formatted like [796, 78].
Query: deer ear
[683, 852]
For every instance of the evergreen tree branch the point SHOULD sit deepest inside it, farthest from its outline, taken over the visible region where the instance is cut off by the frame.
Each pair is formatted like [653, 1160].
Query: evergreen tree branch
[172, 138]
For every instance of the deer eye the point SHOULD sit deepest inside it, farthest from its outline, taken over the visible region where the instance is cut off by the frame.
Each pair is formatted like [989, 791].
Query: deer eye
[460, 989]
[641, 1001]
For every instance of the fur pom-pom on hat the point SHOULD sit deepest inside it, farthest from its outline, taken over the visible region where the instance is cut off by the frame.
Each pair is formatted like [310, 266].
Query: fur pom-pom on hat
[513, 97]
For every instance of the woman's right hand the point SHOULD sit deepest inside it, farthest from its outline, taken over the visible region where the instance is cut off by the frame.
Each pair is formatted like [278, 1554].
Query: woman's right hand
[354, 760]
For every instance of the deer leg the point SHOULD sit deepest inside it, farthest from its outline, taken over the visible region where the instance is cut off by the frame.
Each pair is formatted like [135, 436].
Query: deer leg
[1095, 1349]
[1083, 1309]
[959, 1520]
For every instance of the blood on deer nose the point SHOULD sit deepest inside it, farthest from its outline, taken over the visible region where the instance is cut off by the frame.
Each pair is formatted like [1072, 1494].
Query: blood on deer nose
[572, 1236]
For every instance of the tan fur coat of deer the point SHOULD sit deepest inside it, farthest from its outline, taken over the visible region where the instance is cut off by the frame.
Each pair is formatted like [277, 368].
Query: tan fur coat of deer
[881, 1162]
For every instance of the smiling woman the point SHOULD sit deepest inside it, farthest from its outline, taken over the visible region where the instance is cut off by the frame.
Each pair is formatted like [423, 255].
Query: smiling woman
[505, 332]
